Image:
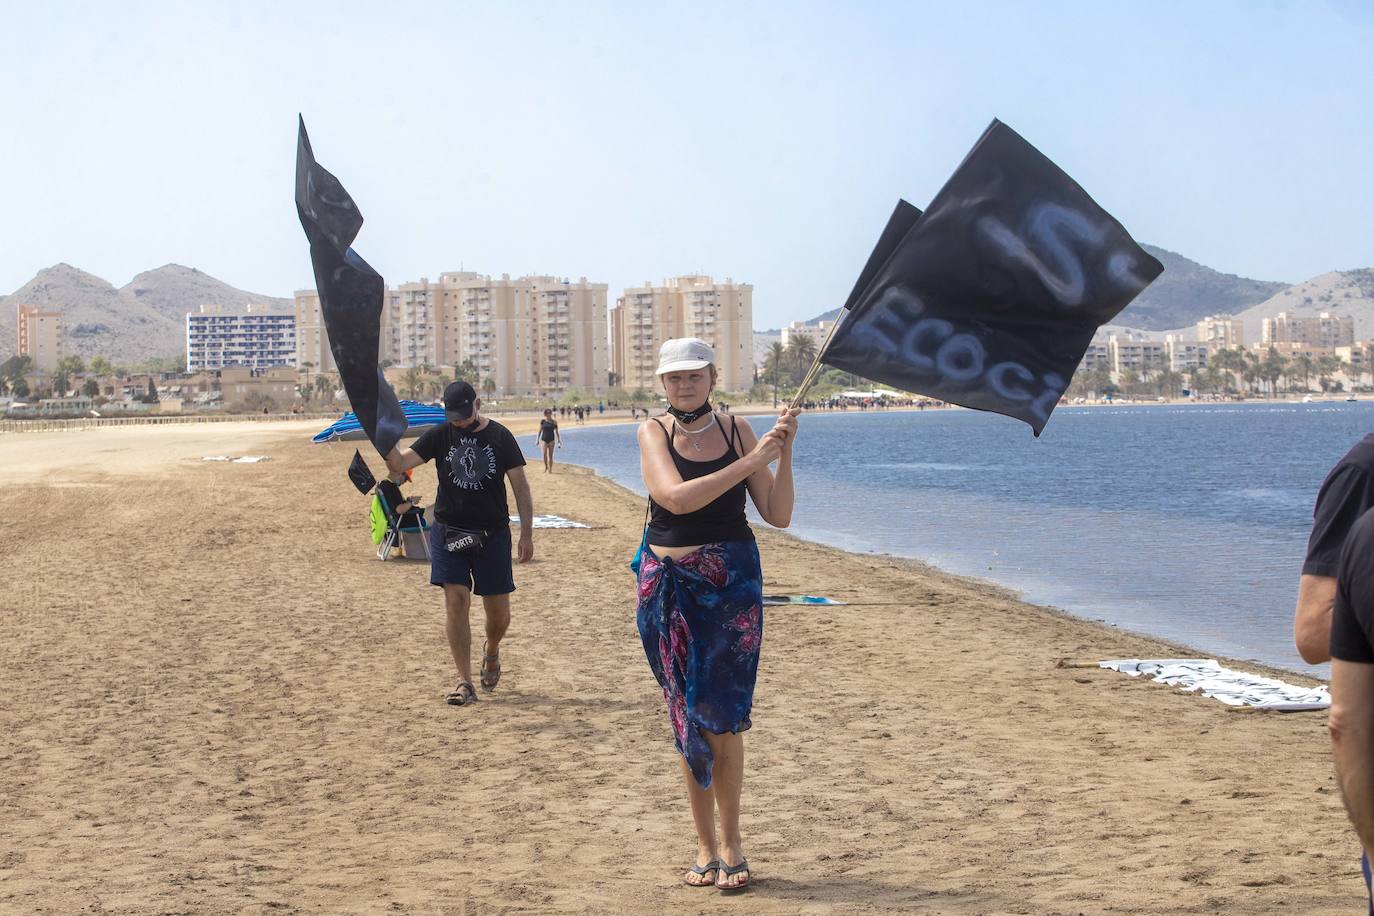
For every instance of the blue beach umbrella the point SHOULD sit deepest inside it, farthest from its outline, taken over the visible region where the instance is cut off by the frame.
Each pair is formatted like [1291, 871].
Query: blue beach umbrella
[348, 427]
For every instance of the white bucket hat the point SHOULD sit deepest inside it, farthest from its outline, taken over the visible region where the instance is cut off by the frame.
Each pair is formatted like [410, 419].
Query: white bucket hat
[683, 354]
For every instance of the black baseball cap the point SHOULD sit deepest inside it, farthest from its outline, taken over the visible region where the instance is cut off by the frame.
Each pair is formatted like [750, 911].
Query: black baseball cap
[458, 401]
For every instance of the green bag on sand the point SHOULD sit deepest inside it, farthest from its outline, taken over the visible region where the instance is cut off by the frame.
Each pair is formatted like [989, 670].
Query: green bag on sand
[377, 516]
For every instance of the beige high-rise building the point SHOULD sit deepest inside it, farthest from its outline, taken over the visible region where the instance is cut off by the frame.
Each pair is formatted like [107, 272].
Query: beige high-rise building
[1221, 331]
[40, 337]
[722, 314]
[817, 332]
[1325, 330]
[312, 344]
[1124, 353]
[1186, 355]
[570, 349]
[530, 336]
[410, 326]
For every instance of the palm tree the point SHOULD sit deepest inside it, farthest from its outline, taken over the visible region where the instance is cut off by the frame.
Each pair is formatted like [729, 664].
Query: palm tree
[1303, 366]
[411, 382]
[1170, 383]
[1327, 366]
[774, 365]
[1130, 382]
[802, 351]
[488, 386]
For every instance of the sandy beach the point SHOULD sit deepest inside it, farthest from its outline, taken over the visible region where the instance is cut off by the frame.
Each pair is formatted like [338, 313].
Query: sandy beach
[219, 701]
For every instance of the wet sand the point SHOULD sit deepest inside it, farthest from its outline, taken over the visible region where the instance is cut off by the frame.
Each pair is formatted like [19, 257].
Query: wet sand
[219, 701]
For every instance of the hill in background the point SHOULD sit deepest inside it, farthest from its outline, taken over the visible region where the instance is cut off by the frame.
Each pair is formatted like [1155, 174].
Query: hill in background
[1185, 293]
[1188, 291]
[143, 319]
[1348, 292]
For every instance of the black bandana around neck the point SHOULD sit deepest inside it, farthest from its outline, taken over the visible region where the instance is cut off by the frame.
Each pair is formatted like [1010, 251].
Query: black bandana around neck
[688, 416]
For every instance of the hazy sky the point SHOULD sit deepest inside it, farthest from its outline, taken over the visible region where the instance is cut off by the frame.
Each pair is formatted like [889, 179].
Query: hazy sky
[634, 141]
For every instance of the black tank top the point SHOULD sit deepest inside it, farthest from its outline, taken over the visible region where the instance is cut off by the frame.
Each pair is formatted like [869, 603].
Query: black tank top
[722, 519]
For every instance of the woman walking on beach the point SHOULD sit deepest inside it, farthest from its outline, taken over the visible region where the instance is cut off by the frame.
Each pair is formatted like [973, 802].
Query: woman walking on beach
[700, 610]
[548, 432]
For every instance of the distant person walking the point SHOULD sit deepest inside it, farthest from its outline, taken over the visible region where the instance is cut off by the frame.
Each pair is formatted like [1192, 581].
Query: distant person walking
[1345, 495]
[700, 613]
[548, 435]
[470, 542]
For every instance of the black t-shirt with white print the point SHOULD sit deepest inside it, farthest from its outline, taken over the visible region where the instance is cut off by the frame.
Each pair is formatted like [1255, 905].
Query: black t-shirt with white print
[472, 470]
[1345, 495]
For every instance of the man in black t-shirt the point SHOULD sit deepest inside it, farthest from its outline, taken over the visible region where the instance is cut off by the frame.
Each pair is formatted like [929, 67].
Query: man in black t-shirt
[1345, 495]
[1352, 681]
[473, 457]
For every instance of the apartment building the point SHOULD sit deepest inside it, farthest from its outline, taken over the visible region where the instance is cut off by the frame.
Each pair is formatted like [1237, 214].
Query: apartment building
[1325, 331]
[1221, 331]
[1137, 355]
[40, 336]
[817, 332]
[1096, 356]
[1359, 357]
[312, 343]
[238, 384]
[1181, 355]
[694, 305]
[254, 336]
[533, 336]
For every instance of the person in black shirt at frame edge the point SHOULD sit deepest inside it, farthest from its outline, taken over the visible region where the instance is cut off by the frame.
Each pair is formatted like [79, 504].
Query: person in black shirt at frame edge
[1335, 621]
[473, 456]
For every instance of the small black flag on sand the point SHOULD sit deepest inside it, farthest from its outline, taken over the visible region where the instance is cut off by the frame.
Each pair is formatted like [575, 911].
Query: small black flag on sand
[360, 474]
[990, 298]
[350, 296]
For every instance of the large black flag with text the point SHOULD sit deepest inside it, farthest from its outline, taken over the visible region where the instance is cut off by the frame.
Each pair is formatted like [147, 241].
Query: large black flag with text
[990, 298]
[351, 294]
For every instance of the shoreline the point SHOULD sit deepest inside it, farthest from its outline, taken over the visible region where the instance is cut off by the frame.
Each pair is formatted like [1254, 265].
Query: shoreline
[1089, 611]
[921, 568]
[236, 707]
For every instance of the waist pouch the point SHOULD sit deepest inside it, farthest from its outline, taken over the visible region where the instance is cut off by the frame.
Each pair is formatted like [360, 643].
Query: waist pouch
[464, 540]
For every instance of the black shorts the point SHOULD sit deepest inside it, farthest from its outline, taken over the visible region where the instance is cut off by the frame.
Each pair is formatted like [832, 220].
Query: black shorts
[487, 572]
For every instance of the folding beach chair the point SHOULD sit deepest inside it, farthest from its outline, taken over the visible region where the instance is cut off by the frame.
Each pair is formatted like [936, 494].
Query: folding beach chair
[411, 531]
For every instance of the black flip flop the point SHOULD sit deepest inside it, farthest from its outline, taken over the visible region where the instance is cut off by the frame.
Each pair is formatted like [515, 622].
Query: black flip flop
[727, 871]
[700, 871]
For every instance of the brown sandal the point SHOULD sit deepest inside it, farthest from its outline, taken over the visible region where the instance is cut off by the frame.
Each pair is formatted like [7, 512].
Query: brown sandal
[490, 677]
[461, 695]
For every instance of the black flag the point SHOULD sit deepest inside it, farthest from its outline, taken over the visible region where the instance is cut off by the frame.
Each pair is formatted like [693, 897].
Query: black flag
[361, 474]
[351, 294]
[990, 298]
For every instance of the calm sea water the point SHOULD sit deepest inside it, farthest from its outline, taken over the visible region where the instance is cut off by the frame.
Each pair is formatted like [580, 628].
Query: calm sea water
[1186, 522]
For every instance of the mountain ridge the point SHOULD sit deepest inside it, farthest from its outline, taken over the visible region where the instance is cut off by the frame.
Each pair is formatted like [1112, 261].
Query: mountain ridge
[1185, 293]
[143, 319]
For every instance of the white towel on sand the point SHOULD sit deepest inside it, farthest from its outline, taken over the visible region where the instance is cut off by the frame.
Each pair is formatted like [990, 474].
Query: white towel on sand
[550, 521]
[1234, 688]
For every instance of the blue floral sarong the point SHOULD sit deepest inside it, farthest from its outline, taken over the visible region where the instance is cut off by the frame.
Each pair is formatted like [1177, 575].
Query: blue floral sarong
[701, 621]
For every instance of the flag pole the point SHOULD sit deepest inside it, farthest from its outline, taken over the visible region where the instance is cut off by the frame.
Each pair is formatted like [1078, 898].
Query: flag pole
[810, 377]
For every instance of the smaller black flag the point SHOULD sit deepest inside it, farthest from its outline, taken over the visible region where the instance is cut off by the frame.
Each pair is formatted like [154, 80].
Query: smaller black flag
[991, 297]
[360, 474]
